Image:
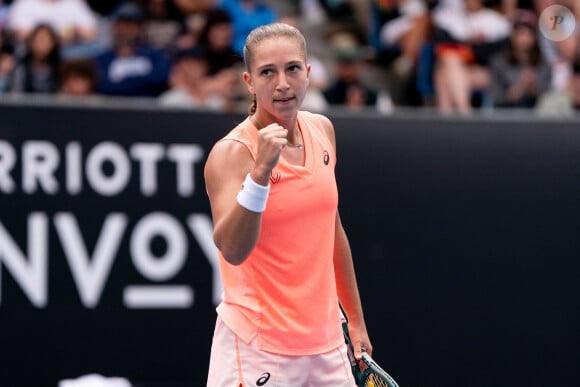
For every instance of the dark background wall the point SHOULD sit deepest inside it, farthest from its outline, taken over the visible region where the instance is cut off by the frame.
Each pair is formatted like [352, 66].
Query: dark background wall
[464, 233]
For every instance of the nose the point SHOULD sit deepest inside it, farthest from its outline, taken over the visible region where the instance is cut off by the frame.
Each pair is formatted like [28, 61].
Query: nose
[282, 82]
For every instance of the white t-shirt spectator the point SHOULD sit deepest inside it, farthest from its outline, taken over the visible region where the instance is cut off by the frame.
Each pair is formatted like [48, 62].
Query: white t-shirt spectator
[462, 25]
[72, 19]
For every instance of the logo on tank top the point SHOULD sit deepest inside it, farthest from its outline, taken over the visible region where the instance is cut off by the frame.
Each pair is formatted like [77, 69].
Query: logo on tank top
[275, 176]
[263, 379]
[326, 157]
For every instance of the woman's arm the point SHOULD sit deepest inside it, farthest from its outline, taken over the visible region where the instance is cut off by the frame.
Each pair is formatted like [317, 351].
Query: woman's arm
[346, 284]
[348, 293]
[236, 229]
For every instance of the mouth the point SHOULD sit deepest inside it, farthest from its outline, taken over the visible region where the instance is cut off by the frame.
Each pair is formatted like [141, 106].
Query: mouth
[284, 100]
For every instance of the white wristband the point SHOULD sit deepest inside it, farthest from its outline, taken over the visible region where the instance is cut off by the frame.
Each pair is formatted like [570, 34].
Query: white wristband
[253, 197]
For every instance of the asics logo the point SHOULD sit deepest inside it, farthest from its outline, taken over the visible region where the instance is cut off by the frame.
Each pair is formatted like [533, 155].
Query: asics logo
[275, 177]
[263, 379]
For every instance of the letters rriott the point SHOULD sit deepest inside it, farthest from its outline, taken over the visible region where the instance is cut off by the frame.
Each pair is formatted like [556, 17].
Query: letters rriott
[41, 162]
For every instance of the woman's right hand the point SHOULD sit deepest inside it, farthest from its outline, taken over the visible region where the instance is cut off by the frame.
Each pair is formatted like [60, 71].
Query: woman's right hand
[271, 140]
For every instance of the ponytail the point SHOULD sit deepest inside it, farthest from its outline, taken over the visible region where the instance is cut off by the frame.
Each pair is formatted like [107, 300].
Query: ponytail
[253, 104]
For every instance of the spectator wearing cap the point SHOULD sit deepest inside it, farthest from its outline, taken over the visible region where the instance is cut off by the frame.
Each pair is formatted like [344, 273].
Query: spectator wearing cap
[519, 74]
[131, 68]
[189, 87]
[348, 88]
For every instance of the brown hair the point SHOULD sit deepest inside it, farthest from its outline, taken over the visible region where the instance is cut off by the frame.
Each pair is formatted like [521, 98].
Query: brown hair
[84, 68]
[258, 35]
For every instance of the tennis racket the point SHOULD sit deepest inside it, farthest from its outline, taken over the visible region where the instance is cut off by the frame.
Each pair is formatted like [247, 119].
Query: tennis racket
[372, 375]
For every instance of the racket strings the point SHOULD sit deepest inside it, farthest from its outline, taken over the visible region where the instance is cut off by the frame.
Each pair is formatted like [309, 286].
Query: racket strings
[374, 380]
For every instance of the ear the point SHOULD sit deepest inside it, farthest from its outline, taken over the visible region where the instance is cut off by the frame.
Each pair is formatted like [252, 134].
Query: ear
[249, 83]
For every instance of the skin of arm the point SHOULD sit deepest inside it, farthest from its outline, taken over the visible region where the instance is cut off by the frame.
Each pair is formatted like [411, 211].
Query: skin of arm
[346, 283]
[236, 229]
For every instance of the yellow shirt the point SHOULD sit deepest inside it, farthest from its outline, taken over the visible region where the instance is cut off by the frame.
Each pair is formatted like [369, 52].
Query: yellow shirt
[284, 293]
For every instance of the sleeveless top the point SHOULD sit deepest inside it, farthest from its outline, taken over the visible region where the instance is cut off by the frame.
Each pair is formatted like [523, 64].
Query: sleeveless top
[284, 293]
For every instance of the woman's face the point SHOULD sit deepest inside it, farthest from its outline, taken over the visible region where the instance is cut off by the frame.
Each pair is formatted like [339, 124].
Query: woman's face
[523, 38]
[42, 43]
[278, 76]
[220, 36]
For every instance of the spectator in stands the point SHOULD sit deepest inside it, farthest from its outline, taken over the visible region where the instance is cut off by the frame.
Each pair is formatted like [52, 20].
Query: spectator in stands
[131, 68]
[78, 77]
[38, 70]
[7, 65]
[311, 12]
[399, 30]
[162, 24]
[568, 49]
[519, 74]
[247, 15]
[225, 65]
[348, 88]
[189, 86]
[217, 38]
[352, 14]
[560, 53]
[562, 102]
[191, 27]
[464, 40]
[73, 20]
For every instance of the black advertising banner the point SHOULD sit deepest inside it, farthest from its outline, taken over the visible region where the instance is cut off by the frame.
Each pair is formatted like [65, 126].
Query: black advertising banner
[107, 262]
[463, 231]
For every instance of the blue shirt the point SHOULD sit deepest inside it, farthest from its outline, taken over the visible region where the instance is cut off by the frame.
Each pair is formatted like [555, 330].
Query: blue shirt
[144, 74]
[245, 19]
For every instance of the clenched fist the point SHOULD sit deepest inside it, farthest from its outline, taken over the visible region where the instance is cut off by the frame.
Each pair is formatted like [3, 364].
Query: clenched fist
[271, 140]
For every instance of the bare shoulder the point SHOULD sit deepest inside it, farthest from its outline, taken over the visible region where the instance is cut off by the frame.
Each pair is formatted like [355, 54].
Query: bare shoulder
[228, 160]
[328, 127]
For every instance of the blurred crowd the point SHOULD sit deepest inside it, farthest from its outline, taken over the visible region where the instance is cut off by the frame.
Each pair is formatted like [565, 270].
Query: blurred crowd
[456, 56]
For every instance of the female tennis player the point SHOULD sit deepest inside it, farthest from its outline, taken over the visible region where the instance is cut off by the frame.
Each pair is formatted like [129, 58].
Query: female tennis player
[285, 259]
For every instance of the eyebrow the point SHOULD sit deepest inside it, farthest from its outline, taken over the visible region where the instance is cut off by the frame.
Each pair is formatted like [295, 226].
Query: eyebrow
[269, 65]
